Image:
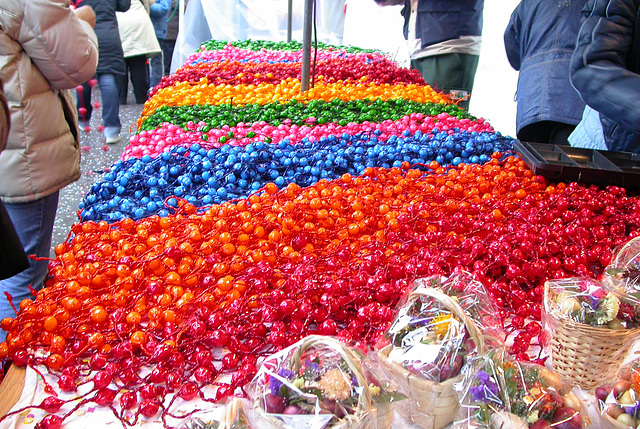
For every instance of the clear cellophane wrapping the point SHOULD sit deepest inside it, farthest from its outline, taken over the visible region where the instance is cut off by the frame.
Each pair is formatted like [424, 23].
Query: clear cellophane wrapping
[500, 392]
[439, 324]
[319, 383]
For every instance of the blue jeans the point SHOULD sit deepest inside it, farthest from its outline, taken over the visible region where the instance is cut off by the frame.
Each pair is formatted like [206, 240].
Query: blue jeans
[157, 68]
[110, 103]
[34, 223]
[167, 54]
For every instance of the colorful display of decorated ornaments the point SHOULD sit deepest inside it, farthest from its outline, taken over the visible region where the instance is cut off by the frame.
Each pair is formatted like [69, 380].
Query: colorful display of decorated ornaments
[246, 215]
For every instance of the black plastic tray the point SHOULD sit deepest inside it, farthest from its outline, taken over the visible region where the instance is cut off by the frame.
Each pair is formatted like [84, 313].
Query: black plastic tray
[566, 163]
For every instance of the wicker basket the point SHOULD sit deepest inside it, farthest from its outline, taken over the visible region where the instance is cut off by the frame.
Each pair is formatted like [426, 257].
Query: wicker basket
[368, 415]
[432, 405]
[587, 356]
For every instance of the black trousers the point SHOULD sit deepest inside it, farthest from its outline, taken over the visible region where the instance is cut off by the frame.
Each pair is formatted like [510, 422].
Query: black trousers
[547, 132]
[138, 71]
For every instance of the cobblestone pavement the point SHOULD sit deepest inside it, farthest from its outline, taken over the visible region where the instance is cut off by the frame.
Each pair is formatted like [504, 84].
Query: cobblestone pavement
[96, 157]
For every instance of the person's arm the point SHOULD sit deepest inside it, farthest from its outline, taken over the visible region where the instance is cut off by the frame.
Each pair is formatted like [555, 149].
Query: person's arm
[160, 8]
[123, 5]
[86, 14]
[63, 47]
[512, 38]
[598, 64]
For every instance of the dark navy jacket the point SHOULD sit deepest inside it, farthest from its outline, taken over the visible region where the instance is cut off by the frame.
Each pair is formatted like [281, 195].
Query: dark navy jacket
[605, 69]
[111, 55]
[539, 41]
[440, 20]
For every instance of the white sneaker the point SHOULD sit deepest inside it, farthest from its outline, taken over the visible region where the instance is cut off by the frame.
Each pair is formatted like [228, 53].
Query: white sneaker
[113, 140]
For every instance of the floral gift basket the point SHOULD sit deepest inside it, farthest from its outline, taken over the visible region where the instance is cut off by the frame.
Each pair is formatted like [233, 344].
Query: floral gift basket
[439, 325]
[591, 330]
[623, 274]
[499, 392]
[319, 383]
[619, 403]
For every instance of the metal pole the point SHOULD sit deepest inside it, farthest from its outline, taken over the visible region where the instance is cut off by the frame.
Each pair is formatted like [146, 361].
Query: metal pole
[289, 20]
[306, 44]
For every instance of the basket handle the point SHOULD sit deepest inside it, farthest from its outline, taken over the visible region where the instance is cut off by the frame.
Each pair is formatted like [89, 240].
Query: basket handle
[347, 355]
[453, 306]
[620, 252]
[546, 298]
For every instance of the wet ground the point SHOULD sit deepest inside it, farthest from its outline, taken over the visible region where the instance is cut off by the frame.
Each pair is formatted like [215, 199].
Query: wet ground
[96, 157]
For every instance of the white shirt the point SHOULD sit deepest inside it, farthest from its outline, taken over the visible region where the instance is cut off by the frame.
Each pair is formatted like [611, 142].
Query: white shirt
[461, 45]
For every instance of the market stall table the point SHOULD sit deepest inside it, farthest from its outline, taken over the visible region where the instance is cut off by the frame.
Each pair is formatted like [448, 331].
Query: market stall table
[11, 388]
[246, 216]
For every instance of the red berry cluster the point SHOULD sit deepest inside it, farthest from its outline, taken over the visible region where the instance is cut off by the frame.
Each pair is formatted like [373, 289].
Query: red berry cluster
[378, 71]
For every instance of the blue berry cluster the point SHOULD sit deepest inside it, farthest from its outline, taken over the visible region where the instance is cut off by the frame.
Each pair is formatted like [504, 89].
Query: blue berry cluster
[138, 188]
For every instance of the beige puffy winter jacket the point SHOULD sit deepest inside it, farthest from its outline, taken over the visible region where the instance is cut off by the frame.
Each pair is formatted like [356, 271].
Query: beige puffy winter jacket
[44, 51]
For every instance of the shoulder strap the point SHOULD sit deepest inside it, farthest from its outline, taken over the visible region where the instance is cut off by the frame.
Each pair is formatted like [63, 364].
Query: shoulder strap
[146, 5]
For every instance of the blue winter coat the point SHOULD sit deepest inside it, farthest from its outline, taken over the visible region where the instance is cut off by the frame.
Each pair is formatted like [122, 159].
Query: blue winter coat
[605, 69]
[159, 13]
[441, 20]
[539, 41]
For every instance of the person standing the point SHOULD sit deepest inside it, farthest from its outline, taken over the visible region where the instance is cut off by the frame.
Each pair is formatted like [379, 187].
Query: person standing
[139, 43]
[444, 38]
[111, 67]
[169, 42]
[539, 41]
[159, 12]
[605, 69]
[45, 49]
